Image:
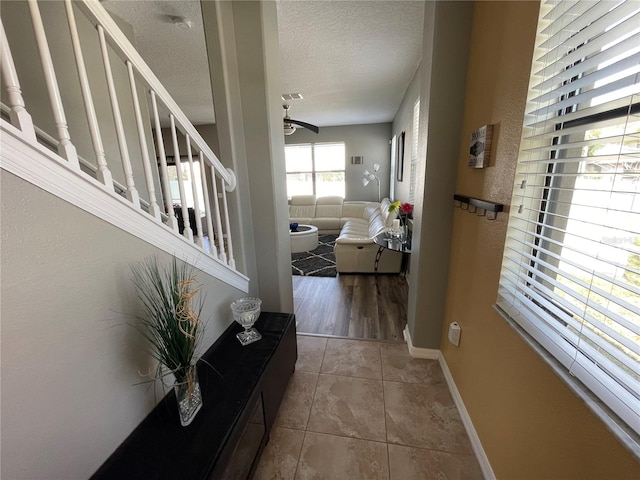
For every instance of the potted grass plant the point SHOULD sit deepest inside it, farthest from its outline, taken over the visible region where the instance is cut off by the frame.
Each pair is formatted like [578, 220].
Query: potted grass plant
[172, 326]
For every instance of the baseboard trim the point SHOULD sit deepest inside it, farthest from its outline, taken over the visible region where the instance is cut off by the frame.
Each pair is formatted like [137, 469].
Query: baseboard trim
[417, 352]
[432, 354]
[344, 337]
[481, 456]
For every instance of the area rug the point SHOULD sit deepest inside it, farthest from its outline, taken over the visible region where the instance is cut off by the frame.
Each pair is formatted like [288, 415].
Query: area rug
[317, 263]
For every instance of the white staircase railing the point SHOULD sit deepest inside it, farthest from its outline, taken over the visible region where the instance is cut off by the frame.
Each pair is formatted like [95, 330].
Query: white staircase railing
[155, 123]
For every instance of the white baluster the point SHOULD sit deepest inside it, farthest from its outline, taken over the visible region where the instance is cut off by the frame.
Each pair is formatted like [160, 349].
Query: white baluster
[18, 114]
[154, 209]
[207, 206]
[183, 201]
[225, 208]
[164, 172]
[194, 189]
[65, 147]
[103, 174]
[222, 253]
[131, 193]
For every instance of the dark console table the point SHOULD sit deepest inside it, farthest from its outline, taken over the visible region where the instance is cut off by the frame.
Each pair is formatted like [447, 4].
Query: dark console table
[227, 436]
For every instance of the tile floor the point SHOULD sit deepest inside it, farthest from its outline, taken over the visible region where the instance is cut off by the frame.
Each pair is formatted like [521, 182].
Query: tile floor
[366, 410]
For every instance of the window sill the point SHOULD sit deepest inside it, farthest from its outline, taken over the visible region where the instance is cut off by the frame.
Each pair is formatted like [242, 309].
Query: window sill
[625, 435]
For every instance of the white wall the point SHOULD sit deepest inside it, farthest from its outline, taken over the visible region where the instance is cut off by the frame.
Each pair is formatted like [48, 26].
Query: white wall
[70, 362]
[370, 141]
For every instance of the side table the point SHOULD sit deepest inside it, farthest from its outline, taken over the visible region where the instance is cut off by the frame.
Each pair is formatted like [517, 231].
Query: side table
[384, 241]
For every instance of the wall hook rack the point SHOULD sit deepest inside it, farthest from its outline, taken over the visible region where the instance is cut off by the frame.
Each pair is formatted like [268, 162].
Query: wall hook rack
[482, 208]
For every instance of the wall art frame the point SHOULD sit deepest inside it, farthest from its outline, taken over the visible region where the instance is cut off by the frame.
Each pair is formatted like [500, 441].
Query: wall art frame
[480, 147]
[400, 157]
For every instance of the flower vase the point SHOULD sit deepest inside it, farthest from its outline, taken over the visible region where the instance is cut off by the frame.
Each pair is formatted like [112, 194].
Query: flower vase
[188, 396]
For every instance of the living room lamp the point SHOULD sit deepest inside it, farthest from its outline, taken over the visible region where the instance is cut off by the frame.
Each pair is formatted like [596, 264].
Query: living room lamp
[370, 177]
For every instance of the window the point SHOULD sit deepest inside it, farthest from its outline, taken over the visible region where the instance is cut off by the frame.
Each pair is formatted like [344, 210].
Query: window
[414, 151]
[172, 170]
[571, 267]
[315, 169]
[392, 170]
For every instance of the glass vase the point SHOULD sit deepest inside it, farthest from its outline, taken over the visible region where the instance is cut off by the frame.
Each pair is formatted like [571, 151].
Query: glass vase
[188, 396]
[399, 233]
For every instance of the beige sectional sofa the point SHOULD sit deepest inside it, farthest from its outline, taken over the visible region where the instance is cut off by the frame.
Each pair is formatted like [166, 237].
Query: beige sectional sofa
[323, 212]
[356, 223]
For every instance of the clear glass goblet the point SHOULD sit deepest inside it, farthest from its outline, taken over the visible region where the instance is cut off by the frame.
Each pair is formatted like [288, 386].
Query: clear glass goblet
[246, 311]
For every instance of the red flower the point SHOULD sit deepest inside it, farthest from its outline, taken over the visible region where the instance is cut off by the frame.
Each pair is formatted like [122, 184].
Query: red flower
[406, 208]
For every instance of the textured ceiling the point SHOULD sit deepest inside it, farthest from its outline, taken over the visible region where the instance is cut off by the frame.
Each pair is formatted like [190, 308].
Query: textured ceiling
[176, 55]
[351, 60]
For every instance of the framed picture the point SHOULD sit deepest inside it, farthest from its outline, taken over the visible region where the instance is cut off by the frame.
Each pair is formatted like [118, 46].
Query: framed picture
[400, 158]
[480, 147]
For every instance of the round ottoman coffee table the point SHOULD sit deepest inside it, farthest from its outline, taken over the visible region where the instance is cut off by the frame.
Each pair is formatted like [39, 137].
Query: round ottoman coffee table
[304, 238]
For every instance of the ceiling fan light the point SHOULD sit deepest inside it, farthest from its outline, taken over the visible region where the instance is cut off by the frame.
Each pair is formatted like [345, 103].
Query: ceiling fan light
[290, 122]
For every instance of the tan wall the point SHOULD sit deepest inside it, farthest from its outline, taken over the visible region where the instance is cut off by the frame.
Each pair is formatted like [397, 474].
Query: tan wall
[530, 425]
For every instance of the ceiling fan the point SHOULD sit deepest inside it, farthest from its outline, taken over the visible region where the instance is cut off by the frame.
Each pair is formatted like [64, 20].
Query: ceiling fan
[290, 123]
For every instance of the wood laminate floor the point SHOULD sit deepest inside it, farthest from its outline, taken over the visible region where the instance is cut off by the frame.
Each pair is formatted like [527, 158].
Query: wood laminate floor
[356, 306]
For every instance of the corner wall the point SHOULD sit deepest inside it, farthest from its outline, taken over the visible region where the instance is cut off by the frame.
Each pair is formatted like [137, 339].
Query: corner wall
[241, 39]
[530, 425]
[445, 51]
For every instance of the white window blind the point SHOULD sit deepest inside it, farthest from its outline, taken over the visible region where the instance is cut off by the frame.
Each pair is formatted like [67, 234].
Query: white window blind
[414, 151]
[571, 268]
[315, 169]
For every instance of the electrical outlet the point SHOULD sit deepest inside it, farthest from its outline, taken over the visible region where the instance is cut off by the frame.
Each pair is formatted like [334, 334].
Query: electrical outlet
[454, 333]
